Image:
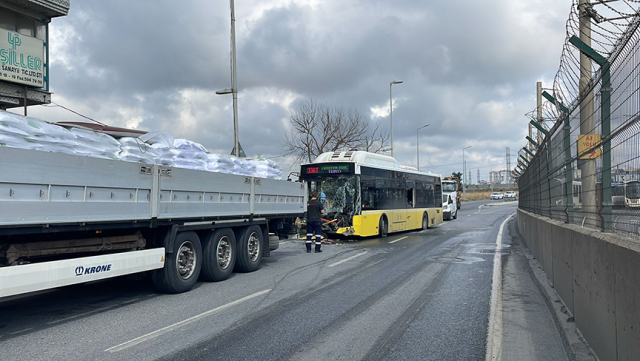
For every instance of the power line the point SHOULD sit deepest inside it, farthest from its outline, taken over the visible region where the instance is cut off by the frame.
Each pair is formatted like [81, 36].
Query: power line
[74, 112]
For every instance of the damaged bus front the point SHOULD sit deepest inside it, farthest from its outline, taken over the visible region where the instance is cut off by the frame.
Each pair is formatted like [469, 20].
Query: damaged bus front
[337, 187]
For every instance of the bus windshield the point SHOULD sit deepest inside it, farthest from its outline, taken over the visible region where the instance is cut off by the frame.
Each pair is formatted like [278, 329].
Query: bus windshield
[633, 190]
[338, 194]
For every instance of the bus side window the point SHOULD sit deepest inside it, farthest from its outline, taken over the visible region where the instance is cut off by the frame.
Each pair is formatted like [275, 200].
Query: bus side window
[410, 197]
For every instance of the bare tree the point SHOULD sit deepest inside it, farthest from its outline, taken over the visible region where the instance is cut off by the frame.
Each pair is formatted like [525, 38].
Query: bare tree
[317, 128]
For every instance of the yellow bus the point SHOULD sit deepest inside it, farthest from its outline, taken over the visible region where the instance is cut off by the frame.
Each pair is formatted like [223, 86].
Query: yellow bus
[367, 194]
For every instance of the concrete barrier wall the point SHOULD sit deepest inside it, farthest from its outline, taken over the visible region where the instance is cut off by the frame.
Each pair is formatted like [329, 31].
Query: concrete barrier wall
[597, 275]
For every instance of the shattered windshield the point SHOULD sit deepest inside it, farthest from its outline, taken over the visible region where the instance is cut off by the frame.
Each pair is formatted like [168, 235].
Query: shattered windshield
[339, 195]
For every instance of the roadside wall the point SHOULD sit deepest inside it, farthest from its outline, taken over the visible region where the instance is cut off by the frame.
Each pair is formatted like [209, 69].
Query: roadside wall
[597, 275]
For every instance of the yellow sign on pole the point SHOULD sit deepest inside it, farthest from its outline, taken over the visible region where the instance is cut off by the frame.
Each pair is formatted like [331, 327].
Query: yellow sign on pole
[586, 144]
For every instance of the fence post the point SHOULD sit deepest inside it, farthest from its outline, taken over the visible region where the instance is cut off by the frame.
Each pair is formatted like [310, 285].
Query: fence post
[605, 100]
[568, 163]
[605, 109]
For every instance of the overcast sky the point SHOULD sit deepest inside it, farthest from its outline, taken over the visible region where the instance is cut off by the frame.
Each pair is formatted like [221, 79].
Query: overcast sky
[469, 69]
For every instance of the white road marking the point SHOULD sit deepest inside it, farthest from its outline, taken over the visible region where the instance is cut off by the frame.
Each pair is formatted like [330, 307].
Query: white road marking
[21, 331]
[176, 325]
[494, 332]
[398, 240]
[346, 259]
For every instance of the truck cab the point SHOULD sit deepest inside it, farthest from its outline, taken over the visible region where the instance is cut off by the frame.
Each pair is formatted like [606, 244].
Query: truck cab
[449, 205]
[452, 185]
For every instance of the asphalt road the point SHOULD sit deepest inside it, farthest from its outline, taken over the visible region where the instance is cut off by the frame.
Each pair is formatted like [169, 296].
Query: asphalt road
[410, 296]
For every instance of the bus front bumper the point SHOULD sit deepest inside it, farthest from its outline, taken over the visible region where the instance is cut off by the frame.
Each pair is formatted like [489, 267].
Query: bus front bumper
[346, 231]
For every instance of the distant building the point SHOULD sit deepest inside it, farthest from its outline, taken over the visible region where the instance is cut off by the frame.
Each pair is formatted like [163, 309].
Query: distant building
[499, 177]
[24, 50]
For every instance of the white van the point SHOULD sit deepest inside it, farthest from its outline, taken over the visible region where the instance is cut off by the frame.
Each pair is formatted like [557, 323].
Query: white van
[449, 208]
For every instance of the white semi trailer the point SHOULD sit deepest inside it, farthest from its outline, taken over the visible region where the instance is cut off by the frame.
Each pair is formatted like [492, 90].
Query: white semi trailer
[68, 219]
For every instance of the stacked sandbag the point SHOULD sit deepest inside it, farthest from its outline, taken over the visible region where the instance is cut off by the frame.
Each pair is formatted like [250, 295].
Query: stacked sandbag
[52, 138]
[266, 168]
[135, 150]
[32, 133]
[14, 131]
[242, 166]
[94, 144]
[220, 163]
[151, 148]
[190, 155]
[162, 145]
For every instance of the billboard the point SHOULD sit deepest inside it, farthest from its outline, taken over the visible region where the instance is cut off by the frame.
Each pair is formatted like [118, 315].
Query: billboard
[21, 59]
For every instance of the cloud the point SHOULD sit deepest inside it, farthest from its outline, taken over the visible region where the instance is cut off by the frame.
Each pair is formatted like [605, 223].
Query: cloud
[469, 69]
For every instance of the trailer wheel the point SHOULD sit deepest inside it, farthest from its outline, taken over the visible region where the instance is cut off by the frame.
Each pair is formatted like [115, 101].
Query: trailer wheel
[182, 267]
[425, 221]
[383, 227]
[219, 255]
[249, 255]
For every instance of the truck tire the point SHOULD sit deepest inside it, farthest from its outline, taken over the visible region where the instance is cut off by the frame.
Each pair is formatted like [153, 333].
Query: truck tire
[219, 255]
[425, 221]
[182, 267]
[383, 227]
[249, 255]
[455, 215]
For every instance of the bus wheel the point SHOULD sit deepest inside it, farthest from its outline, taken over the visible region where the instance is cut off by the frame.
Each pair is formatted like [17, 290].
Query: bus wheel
[219, 255]
[249, 255]
[383, 227]
[182, 267]
[425, 221]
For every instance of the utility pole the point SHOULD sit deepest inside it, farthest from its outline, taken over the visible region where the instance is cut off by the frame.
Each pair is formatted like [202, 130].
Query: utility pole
[234, 81]
[539, 109]
[234, 84]
[587, 118]
[464, 170]
[508, 162]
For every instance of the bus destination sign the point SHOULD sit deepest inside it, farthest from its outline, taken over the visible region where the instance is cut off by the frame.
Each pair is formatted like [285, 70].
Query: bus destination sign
[324, 169]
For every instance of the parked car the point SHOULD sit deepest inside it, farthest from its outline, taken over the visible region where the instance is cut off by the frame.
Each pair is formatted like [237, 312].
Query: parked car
[510, 195]
[496, 196]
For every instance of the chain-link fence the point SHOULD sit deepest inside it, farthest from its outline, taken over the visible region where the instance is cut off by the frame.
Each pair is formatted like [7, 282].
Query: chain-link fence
[582, 163]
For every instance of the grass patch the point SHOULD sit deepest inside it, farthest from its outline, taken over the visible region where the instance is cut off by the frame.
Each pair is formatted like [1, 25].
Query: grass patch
[481, 195]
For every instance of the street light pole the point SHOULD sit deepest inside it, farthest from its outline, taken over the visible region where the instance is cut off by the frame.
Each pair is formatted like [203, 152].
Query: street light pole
[234, 80]
[418, 146]
[464, 169]
[391, 110]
